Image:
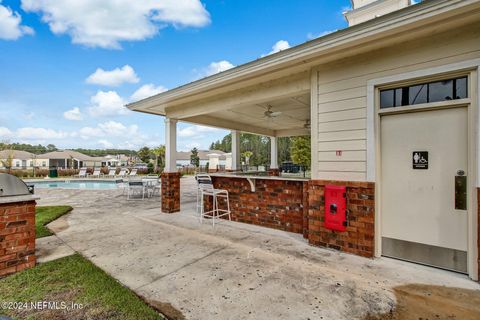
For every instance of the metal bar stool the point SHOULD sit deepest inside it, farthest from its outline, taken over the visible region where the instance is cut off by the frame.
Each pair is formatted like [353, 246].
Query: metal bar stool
[206, 189]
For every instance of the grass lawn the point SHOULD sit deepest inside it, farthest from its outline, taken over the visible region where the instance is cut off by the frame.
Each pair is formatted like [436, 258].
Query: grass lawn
[72, 279]
[45, 215]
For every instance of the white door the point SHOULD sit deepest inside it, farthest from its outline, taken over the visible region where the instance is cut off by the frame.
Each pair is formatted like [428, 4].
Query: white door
[424, 166]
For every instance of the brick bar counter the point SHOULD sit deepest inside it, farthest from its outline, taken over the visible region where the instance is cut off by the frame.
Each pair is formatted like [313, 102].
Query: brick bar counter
[276, 202]
[298, 205]
[17, 233]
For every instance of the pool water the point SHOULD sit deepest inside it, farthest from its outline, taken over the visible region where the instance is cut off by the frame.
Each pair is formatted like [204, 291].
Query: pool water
[88, 185]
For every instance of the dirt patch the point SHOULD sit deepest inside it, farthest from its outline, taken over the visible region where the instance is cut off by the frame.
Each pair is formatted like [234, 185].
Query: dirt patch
[424, 302]
[166, 309]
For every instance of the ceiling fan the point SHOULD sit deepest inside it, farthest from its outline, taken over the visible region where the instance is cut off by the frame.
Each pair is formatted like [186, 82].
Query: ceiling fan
[271, 114]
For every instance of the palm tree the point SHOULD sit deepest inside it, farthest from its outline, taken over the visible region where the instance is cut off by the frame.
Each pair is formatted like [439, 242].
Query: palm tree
[159, 154]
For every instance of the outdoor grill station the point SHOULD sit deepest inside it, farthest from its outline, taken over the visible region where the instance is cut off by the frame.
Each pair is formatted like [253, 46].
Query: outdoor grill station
[17, 225]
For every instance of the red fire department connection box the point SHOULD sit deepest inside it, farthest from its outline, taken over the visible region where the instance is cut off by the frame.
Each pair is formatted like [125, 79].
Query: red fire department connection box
[335, 207]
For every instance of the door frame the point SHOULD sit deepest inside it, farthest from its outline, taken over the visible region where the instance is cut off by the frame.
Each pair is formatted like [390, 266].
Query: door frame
[471, 69]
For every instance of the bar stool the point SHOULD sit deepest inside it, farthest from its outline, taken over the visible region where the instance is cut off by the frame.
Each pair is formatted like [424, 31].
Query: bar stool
[206, 189]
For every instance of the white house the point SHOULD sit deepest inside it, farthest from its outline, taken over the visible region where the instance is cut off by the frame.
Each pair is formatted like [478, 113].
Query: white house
[16, 159]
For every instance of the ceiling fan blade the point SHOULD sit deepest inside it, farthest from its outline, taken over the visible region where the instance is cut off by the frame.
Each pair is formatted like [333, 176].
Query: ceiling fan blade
[276, 114]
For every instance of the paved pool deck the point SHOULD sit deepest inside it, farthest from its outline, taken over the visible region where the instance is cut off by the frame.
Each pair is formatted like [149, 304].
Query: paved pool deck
[232, 271]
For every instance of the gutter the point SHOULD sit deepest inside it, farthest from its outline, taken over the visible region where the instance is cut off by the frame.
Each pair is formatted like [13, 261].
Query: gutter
[302, 52]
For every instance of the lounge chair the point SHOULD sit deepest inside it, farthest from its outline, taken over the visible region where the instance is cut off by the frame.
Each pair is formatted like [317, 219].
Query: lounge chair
[96, 173]
[133, 173]
[111, 173]
[122, 173]
[82, 173]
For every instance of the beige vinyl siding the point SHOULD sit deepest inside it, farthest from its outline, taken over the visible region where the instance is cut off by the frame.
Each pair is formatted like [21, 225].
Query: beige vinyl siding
[341, 95]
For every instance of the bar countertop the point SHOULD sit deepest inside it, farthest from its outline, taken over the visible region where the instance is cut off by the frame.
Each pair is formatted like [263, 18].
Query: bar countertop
[242, 175]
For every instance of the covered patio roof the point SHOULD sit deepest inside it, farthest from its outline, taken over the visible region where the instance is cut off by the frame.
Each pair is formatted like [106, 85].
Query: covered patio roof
[241, 99]
[237, 99]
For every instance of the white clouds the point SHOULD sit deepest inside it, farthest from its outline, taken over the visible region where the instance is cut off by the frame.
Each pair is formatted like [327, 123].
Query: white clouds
[39, 134]
[73, 114]
[10, 24]
[5, 133]
[278, 46]
[113, 78]
[106, 23]
[126, 136]
[107, 103]
[195, 131]
[147, 90]
[198, 136]
[110, 129]
[213, 68]
[106, 144]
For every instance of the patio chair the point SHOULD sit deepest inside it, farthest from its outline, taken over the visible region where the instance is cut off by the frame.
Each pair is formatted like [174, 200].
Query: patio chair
[111, 173]
[135, 187]
[96, 173]
[206, 189]
[133, 173]
[152, 185]
[82, 173]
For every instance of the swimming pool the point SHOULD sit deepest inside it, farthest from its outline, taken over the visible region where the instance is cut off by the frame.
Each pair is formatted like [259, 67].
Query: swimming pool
[76, 184]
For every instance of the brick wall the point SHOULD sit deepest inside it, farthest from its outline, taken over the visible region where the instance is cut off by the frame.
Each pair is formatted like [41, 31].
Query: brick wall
[17, 237]
[359, 236]
[170, 192]
[278, 204]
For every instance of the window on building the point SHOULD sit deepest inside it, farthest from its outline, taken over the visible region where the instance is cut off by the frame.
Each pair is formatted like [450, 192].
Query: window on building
[437, 91]
[17, 163]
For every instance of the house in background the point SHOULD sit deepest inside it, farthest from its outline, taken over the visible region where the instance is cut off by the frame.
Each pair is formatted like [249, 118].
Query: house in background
[16, 159]
[69, 159]
[119, 160]
[183, 157]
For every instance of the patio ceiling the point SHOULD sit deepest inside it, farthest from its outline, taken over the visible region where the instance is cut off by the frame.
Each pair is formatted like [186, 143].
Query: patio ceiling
[293, 113]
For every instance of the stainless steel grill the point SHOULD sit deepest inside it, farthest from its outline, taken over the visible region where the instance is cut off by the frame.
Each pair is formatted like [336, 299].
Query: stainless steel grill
[12, 186]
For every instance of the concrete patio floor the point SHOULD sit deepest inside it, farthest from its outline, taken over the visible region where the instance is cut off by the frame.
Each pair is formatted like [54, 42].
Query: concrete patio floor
[232, 271]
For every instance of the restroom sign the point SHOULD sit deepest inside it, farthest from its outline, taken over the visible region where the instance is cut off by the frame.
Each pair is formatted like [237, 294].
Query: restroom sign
[420, 160]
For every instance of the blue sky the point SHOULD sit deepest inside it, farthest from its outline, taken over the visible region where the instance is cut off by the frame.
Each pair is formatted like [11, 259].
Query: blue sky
[68, 66]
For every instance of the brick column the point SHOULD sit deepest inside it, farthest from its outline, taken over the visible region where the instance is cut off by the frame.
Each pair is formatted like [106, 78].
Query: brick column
[170, 192]
[273, 172]
[17, 236]
[359, 236]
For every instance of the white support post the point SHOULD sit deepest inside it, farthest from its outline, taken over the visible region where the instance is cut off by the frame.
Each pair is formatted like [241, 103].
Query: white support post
[170, 145]
[273, 153]
[235, 150]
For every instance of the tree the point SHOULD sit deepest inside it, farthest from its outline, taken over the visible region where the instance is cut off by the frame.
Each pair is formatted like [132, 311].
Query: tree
[159, 154]
[247, 155]
[144, 154]
[194, 158]
[301, 151]
[51, 147]
[8, 162]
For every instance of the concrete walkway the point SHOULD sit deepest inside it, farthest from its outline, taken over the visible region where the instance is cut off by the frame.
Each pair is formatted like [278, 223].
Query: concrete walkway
[235, 271]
